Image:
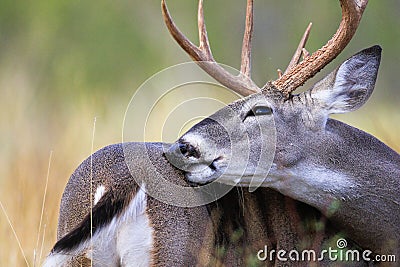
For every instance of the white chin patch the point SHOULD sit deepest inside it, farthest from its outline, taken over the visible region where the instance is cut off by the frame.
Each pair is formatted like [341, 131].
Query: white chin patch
[200, 174]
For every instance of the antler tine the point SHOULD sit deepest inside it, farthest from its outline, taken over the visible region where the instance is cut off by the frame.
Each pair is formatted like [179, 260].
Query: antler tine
[352, 11]
[242, 85]
[203, 36]
[245, 66]
[193, 51]
[299, 51]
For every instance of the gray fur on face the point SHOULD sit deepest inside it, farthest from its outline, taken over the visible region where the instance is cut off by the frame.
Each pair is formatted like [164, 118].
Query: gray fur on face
[318, 160]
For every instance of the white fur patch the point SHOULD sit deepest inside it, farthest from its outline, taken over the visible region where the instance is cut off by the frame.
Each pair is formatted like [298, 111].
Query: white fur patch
[355, 76]
[99, 193]
[125, 241]
[134, 236]
[56, 260]
[200, 173]
[315, 186]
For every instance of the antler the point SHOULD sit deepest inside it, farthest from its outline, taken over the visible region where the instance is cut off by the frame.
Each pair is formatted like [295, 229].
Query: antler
[202, 54]
[297, 75]
[300, 50]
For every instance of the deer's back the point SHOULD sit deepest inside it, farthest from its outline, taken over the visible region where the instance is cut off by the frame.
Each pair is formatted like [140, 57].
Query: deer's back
[229, 231]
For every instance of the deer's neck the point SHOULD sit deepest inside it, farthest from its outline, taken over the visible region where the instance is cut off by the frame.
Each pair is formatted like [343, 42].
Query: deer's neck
[351, 177]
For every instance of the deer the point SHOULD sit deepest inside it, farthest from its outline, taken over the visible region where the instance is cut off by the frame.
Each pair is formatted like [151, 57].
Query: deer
[318, 161]
[326, 180]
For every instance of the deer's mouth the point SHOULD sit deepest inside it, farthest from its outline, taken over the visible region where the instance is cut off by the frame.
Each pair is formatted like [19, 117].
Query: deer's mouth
[203, 173]
[198, 166]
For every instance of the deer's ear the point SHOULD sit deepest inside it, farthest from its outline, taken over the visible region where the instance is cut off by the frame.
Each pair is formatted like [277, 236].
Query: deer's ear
[350, 85]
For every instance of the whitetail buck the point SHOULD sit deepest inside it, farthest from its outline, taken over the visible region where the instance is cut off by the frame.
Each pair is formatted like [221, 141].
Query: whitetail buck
[328, 179]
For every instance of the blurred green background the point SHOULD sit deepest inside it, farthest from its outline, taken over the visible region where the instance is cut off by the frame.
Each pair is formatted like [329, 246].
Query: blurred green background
[64, 63]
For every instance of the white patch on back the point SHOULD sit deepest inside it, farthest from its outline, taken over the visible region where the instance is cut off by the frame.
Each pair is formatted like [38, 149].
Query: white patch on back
[99, 193]
[126, 241]
[135, 235]
[56, 260]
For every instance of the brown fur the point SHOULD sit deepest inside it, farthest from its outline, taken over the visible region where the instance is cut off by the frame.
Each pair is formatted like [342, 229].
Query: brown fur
[228, 232]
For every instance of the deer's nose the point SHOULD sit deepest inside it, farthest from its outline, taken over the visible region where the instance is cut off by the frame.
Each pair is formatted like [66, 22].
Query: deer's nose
[188, 150]
[183, 155]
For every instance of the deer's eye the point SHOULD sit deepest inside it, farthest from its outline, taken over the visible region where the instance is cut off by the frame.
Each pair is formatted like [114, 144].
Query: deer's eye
[259, 111]
[262, 110]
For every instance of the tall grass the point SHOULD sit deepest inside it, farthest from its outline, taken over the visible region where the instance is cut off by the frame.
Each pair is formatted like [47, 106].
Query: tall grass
[64, 63]
[40, 153]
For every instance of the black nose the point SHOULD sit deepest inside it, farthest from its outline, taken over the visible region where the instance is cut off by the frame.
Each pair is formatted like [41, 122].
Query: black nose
[188, 150]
